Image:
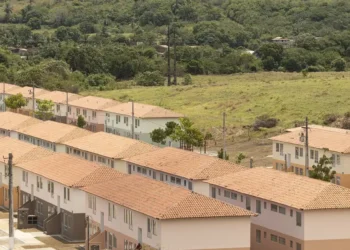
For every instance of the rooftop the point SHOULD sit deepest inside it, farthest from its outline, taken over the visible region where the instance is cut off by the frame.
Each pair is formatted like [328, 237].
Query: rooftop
[70, 171]
[93, 102]
[59, 97]
[143, 111]
[27, 91]
[163, 201]
[8, 87]
[54, 131]
[13, 121]
[333, 139]
[296, 191]
[109, 145]
[184, 163]
[21, 151]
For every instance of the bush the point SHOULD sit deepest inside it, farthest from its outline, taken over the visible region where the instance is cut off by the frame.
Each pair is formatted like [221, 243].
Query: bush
[96, 80]
[34, 23]
[329, 119]
[264, 121]
[339, 64]
[345, 123]
[148, 78]
[187, 80]
[317, 68]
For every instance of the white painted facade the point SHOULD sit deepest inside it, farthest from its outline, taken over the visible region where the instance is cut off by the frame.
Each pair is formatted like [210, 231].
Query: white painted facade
[29, 185]
[4, 179]
[90, 116]
[56, 147]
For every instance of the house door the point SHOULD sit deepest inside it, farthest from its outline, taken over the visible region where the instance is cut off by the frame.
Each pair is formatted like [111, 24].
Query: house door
[213, 192]
[102, 222]
[140, 235]
[32, 192]
[58, 204]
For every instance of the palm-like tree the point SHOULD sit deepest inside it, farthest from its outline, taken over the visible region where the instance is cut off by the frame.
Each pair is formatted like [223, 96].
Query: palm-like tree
[8, 11]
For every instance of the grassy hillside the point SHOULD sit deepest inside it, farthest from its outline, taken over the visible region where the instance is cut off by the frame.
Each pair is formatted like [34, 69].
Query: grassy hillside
[286, 96]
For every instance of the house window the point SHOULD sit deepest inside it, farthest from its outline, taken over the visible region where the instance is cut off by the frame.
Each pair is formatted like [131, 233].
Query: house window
[312, 154]
[114, 241]
[265, 205]
[291, 244]
[154, 227]
[190, 185]
[301, 152]
[242, 198]
[149, 228]
[298, 219]
[185, 182]
[273, 238]
[93, 114]
[172, 179]
[277, 147]
[316, 156]
[150, 172]
[84, 112]
[128, 217]
[39, 183]
[51, 187]
[137, 123]
[282, 210]
[258, 206]
[258, 236]
[58, 108]
[126, 121]
[161, 177]
[296, 152]
[154, 175]
[219, 191]
[282, 240]
[78, 111]
[281, 149]
[117, 119]
[227, 194]
[274, 207]
[233, 196]
[66, 194]
[144, 171]
[139, 169]
[291, 213]
[247, 203]
[301, 171]
[298, 246]
[178, 181]
[338, 159]
[69, 110]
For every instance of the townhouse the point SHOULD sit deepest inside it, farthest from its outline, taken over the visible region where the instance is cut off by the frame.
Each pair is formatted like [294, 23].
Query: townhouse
[289, 151]
[137, 210]
[10, 122]
[51, 195]
[91, 108]
[27, 93]
[107, 149]
[4, 87]
[61, 101]
[294, 212]
[50, 135]
[22, 152]
[179, 167]
[118, 120]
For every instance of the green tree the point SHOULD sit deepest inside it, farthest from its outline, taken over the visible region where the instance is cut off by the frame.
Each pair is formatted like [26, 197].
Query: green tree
[339, 64]
[8, 11]
[15, 101]
[148, 78]
[158, 135]
[221, 155]
[44, 109]
[323, 171]
[81, 121]
[240, 158]
[34, 23]
[187, 134]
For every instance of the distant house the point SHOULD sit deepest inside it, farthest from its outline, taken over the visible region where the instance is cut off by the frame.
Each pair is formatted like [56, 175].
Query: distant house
[10, 122]
[285, 42]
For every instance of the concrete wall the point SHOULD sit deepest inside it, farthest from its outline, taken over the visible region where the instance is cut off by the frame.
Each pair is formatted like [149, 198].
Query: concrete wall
[99, 119]
[206, 233]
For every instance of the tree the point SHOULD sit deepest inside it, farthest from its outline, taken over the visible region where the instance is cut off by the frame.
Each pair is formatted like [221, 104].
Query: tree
[322, 171]
[148, 78]
[44, 109]
[221, 155]
[158, 135]
[187, 135]
[34, 23]
[15, 101]
[240, 157]
[81, 121]
[8, 11]
[339, 64]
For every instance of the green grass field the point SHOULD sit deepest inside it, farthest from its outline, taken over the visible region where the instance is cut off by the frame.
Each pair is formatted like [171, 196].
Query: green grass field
[288, 97]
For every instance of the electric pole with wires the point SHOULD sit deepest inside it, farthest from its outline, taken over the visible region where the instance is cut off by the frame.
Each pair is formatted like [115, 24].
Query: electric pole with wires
[11, 229]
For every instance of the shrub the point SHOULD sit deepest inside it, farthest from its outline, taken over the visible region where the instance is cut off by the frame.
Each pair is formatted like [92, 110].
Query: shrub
[264, 121]
[339, 64]
[329, 119]
[100, 80]
[187, 80]
[150, 78]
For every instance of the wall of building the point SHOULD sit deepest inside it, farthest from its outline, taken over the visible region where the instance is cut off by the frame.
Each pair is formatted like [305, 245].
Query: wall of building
[38, 142]
[89, 118]
[118, 225]
[206, 233]
[201, 187]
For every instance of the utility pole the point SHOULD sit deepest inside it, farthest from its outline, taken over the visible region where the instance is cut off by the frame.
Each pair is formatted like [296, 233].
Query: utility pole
[285, 163]
[224, 135]
[33, 100]
[169, 71]
[132, 120]
[11, 233]
[307, 147]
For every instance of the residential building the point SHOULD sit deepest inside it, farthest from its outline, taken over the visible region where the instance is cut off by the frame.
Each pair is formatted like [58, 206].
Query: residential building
[27, 93]
[107, 149]
[4, 87]
[179, 167]
[289, 150]
[21, 152]
[50, 192]
[51, 135]
[118, 120]
[60, 99]
[91, 109]
[10, 122]
[294, 212]
[137, 210]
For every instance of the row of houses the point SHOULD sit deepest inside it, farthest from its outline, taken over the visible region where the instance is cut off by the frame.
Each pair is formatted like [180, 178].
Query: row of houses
[285, 210]
[100, 114]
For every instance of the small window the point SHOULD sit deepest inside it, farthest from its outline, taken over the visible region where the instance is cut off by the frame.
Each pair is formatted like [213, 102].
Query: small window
[296, 152]
[242, 198]
[298, 246]
[178, 181]
[316, 156]
[227, 194]
[282, 210]
[247, 203]
[298, 219]
[265, 205]
[219, 191]
[277, 147]
[291, 213]
[185, 183]
[258, 236]
[139, 169]
[233, 196]
[274, 207]
[312, 154]
[338, 159]
[172, 179]
[291, 244]
[190, 185]
[274, 238]
[150, 172]
[301, 152]
[282, 240]
[144, 171]
[258, 206]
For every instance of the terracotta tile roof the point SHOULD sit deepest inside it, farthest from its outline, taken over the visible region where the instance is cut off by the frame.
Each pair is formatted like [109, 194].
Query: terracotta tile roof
[336, 140]
[143, 111]
[54, 131]
[21, 151]
[110, 145]
[93, 102]
[184, 163]
[162, 201]
[14, 121]
[8, 87]
[70, 171]
[27, 91]
[300, 192]
[59, 97]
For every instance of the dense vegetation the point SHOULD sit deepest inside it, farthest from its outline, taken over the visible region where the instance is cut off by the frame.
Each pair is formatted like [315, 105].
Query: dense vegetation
[92, 43]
